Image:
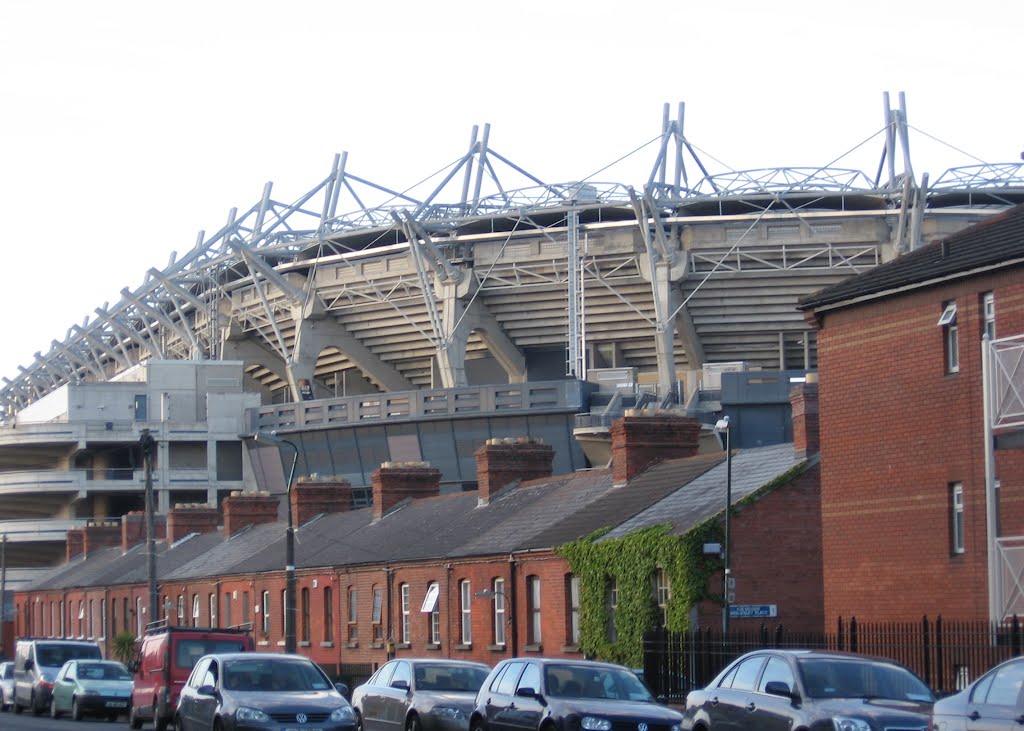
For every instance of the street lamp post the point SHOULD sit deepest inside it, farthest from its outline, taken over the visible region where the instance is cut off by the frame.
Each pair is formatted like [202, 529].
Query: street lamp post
[289, 544]
[722, 427]
[147, 445]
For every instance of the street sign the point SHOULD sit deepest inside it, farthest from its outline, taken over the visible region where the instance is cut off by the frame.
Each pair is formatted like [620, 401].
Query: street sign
[742, 611]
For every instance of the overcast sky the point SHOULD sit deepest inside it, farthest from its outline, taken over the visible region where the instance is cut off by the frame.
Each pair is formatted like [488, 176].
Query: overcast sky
[127, 127]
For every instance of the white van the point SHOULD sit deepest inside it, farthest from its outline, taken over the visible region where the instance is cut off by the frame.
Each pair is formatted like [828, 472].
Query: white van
[36, 664]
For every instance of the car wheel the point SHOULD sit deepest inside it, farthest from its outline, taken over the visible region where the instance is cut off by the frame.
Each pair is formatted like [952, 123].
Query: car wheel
[111, 717]
[413, 724]
[359, 719]
[217, 725]
[160, 723]
[76, 710]
[54, 713]
[133, 719]
[478, 725]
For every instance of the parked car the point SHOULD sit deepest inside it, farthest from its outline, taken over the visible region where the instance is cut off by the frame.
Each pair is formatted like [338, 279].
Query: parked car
[166, 658]
[786, 689]
[542, 693]
[91, 688]
[994, 700]
[271, 691]
[6, 685]
[419, 695]
[36, 664]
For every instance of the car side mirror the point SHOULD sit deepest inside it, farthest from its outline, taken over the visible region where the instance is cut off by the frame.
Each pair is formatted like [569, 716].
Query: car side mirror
[207, 690]
[777, 687]
[342, 688]
[526, 692]
[401, 684]
[29, 664]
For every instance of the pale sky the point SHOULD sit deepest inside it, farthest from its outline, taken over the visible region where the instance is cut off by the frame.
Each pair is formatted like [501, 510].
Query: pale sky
[127, 127]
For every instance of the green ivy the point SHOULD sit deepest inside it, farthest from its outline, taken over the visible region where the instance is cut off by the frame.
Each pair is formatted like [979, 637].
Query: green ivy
[632, 560]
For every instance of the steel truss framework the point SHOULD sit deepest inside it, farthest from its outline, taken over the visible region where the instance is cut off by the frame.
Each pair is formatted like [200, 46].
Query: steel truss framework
[401, 286]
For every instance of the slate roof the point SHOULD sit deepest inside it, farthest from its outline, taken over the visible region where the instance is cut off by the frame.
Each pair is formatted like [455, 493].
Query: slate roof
[704, 496]
[996, 242]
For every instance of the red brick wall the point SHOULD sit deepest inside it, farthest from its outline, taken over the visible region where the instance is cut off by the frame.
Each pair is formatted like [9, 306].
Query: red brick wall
[640, 441]
[243, 510]
[896, 430]
[499, 463]
[313, 497]
[394, 483]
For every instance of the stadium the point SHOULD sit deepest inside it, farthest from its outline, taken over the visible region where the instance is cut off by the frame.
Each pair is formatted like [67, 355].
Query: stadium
[364, 322]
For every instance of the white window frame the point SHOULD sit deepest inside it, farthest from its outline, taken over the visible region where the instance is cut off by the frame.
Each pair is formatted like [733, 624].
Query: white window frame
[181, 608]
[353, 614]
[103, 619]
[663, 592]
[92, 618]
[213, 609]
[957, 506]
[574, 609]
[138, 616]
[499, 612]
[406, 609]
[988, 313]
[62, 631]
[950, 337]
[466, 612]
[195, 610]
[433, 607]
[375, 613]
[265, 619]
[534, 609]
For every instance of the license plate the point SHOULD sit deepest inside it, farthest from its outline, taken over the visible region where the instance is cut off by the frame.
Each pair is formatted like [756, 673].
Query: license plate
[117, 704]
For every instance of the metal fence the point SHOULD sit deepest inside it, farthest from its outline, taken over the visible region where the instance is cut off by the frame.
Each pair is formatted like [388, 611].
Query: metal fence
[946, 654]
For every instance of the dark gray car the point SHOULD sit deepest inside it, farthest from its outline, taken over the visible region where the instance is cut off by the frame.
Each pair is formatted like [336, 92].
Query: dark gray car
[265, 691]
[419, 695]
[779, 690]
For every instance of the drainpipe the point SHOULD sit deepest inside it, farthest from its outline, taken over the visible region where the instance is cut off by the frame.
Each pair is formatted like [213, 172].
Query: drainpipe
[514, 619]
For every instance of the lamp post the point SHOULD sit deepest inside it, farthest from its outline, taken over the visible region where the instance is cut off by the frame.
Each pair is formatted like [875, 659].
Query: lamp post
[3, 590]
[147, 445]
[289, 544]
[722, 427]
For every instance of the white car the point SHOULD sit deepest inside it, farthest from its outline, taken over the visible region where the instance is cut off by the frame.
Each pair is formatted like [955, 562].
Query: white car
[6, 685]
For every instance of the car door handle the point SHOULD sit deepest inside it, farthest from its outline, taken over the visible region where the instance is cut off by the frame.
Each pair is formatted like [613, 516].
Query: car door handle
[1019, 719]
[974, 715]
[751, 706]
[714, 701]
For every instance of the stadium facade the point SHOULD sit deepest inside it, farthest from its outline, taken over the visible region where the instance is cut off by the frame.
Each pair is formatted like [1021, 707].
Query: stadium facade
[429, 322]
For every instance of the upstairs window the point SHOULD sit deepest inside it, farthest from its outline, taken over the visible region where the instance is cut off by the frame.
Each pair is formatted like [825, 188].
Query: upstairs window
[951, 337]
[988, 313]
[957, 509]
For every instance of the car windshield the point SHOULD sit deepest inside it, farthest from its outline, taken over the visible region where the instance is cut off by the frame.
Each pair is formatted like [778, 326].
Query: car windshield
[104, 671]
[54, 656]
[451, 678]
[581, 681]
[853, 678]
[273, 674]
[7, 671]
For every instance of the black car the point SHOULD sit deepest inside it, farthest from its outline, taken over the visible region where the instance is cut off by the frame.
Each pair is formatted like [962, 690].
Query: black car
[419, 695]
[265, 691]
[807, 689]
[995, 700]
[557, 694]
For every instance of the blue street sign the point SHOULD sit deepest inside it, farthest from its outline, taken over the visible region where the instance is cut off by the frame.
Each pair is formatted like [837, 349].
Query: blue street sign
[742, 611]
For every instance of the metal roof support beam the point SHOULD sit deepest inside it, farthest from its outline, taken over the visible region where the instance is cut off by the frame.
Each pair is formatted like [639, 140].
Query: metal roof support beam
[185, 333]
[149, 343]
[77, 359]
[99, 346]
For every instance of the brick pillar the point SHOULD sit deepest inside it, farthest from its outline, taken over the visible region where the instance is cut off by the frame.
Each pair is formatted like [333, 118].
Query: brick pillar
[133, 529]
[396, 481]
[640, 441]
[101, 535]
[313, 496]
[242, 510]
[75, 545]
[803, 398]
[501, 462]
[183, 519]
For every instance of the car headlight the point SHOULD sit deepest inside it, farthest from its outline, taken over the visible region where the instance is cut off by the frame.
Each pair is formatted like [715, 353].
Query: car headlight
[674, 727]
[244, 713]
[90, 692]
[456, 714]
[345, 713]
[845, 723]
[593, 723]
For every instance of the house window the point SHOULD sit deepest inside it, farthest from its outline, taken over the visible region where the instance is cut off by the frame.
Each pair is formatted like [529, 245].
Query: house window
[266, 613]
[328, 614]
[533, 609]
[113, 616]
[406, 630]
[227, 609]
[138, 616]
[103, 619]
[212, 603]
[662, 593]
[988, 313]
[612, 604]
[431, 606]
[465, 607]
[127, 611]
[62, 619]
[499, 611]
[572, 595]
[305, 614]
[286, 617]
[951, 337]
[245, 607]
[378, 601]
[353, 615]
[957, 503]
[195, 610]
[181, 608]
[92, 619]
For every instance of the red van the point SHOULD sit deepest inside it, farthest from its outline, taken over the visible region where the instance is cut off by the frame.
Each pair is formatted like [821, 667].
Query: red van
[166, 658]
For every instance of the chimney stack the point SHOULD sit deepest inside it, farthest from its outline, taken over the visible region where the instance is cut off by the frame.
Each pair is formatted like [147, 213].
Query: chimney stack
[803, 398]
[242, 510]
[315, 495]
[133, 529]
[187, 518]
[75, 543]
[640, 441]
[92, 538]
[396, 481]
[500, 462]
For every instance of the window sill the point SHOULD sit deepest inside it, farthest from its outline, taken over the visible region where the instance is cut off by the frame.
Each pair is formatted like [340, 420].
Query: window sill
[304, 643]
[496, 648]
[403, 645]
[570, 648]
[262, 643]
[432, 647]
[463, 647]
[533, 648]
[326, 644]
[376, 645]
[280, 643]
[351, 645]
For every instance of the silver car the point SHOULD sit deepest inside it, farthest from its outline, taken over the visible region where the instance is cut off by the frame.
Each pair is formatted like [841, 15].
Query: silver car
[6, 685]
[91, 688]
